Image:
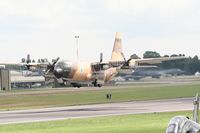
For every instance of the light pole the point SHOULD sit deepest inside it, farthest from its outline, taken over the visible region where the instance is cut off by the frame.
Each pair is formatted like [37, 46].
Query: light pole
[77, 37]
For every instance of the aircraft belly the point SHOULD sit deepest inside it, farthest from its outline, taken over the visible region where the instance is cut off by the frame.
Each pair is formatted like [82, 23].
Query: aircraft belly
[83, 72]
[81, 77]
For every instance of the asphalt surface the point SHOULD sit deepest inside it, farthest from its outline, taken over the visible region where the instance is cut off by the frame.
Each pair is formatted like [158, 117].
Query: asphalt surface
[85, 111]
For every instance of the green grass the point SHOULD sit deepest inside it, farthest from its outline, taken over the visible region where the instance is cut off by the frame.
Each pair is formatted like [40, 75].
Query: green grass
[142, 123]
[15, 101]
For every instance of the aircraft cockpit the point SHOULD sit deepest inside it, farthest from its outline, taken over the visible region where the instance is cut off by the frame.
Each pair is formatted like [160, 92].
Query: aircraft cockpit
[62, 69]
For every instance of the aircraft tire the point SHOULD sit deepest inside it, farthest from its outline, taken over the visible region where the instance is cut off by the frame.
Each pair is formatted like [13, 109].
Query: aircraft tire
[99, 85]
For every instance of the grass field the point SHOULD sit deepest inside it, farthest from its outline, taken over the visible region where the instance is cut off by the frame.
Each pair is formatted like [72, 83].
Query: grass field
[15, 101]
[142, 123]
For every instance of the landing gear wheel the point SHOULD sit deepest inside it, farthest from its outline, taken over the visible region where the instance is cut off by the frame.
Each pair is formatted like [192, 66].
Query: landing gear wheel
[76, 85]
[99, 85]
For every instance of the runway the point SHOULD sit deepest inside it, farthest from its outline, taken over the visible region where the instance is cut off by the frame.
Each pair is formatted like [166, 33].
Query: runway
[85, 111]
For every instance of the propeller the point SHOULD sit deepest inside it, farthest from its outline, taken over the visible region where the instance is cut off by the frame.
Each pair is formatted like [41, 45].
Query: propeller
[123, 57]
[126, 62]
[26, 61]
[51, 66]
[101, 57]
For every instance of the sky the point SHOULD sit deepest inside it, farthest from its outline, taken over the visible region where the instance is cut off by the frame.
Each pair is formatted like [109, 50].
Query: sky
[47, 28]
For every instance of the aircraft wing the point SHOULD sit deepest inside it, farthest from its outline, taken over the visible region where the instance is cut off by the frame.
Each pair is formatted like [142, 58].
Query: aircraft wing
[8, 63]
[30, 66]
[23, 64]
[151, 61]
[37, 65]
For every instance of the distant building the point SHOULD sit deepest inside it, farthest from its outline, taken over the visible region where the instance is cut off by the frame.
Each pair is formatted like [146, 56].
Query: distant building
[5, 83]
[197, 74]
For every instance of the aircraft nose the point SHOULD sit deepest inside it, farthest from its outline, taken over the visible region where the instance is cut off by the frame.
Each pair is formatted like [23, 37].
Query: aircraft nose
[58, 72]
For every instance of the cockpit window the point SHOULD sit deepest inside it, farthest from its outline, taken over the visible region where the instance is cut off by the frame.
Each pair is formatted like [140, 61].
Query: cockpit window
[60, 64]
[63, 65]
[63, 69]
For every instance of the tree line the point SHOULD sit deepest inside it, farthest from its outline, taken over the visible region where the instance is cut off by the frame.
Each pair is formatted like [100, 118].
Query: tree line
[190, 65]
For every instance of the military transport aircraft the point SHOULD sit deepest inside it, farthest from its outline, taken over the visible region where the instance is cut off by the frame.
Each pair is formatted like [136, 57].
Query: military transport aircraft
[97, 73]
[77, 73]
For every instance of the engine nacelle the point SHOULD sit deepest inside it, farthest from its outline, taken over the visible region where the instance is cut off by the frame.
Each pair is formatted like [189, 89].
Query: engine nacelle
[133, 63]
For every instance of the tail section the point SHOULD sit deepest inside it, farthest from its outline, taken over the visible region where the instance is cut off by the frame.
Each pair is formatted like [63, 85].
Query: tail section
[117, 54]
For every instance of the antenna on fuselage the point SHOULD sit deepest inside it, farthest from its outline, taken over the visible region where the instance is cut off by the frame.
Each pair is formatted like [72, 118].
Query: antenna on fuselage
[77, 52]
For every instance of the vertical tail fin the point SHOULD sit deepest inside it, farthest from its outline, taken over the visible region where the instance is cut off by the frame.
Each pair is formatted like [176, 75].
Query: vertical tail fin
[117, 54]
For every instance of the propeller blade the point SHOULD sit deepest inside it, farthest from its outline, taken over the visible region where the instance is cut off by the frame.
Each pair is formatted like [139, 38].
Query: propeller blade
[28, 59]
[55, 61]
[47, 71]
[101, 57]
[50, 67]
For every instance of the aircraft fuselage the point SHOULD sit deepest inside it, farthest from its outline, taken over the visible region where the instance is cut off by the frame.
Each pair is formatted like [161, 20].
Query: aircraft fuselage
[82, 71]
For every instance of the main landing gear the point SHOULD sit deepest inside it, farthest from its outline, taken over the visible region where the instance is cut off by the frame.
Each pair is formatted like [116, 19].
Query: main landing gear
[95, 83]
[76, 85]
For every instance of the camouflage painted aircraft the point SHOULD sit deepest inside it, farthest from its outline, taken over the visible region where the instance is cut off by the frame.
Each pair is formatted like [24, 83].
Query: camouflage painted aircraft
[97, 73]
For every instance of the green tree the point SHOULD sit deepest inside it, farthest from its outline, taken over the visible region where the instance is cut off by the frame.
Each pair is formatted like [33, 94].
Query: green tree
[151, 54]
[134, 56]
[195, 64]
